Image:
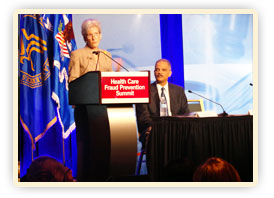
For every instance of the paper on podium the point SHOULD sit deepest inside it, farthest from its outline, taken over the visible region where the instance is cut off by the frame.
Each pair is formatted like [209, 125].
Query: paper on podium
[204, 114]
[250, 112]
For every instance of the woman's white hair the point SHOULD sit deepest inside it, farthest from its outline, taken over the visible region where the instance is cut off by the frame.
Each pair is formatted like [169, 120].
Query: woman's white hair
[88, 23]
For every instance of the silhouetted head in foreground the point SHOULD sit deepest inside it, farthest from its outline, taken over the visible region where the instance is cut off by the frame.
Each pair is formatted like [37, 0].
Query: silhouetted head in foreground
[216, 170]
[47, 169]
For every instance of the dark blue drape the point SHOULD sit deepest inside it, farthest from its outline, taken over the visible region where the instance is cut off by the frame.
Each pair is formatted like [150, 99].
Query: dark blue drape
[172, 45]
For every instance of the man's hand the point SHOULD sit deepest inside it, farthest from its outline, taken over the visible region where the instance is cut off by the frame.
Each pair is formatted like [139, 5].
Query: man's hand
[148, 130]
[147, 135]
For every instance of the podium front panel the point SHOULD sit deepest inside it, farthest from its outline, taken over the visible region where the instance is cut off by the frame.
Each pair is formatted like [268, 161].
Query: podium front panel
[125, 87]
[85, 89]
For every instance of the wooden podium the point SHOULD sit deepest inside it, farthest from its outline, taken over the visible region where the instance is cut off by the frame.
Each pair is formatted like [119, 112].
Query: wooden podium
[106, 122]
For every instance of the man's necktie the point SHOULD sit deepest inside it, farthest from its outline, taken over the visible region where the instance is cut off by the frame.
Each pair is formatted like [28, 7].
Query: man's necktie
[163, 93]
[164, 101]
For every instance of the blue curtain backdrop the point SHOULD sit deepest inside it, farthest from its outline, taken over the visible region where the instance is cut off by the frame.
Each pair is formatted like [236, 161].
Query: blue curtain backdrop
[172, 45]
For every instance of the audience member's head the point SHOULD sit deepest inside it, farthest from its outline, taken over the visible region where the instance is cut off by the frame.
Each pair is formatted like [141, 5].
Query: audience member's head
[47, 169]
[179, 170]
[216, 170]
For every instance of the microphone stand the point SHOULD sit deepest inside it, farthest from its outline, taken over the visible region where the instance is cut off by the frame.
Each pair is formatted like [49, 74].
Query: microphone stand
[98, 52]
[97, 62]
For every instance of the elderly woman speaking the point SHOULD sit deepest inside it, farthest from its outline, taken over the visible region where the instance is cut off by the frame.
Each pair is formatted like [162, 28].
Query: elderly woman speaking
[88, 59]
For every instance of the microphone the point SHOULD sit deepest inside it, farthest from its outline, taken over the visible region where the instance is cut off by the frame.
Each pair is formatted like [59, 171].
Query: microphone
[97, 61]
[98, 52]
[223, 114]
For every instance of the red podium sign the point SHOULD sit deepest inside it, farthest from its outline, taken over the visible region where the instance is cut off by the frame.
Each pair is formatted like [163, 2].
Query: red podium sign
[125, 87]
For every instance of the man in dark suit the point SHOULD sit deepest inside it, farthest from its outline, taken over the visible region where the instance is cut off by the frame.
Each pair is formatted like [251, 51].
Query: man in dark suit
[174, 95]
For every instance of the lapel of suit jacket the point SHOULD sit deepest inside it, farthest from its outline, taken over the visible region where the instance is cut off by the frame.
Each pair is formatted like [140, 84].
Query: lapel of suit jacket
[155, 98]
[172, 95]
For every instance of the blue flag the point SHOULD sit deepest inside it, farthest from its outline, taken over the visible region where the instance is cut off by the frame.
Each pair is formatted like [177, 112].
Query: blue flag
[63, 42]
[37, 109]
[46, 41]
